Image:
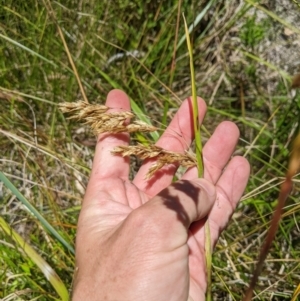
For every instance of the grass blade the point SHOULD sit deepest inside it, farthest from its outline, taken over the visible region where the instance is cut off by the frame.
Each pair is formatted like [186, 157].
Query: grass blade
[296, 293]
[27, 49]
[274, 16]
[35, 212]
[195, 23]
[71, 61]
[46, 269]
[195, 106]
[285, 190]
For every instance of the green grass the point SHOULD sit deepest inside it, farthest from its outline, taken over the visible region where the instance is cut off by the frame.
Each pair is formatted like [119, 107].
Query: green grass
[48, 158]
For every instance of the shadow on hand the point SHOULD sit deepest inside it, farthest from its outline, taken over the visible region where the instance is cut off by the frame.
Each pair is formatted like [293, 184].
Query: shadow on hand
[173, 202]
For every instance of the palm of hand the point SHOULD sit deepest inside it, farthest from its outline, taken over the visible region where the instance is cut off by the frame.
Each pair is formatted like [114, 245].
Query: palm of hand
[136, 240]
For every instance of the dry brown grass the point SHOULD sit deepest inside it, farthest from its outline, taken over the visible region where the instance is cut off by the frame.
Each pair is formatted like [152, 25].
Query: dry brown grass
[100, 121]
[163, 156]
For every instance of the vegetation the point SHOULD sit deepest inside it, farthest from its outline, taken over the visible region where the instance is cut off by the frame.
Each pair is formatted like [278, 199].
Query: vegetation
[139, 47]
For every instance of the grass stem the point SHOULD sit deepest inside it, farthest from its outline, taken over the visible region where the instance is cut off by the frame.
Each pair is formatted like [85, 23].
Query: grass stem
[198, 142]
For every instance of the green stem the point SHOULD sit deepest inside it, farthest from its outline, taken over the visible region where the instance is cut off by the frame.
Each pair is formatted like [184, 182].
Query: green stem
[198, 142]
[35, 212]
[195, 107]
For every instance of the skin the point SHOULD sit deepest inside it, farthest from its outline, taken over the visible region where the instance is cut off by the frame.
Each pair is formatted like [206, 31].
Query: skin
[144, 240]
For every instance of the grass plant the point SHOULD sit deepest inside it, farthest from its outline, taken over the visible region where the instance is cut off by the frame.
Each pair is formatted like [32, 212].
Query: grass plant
[131, 45]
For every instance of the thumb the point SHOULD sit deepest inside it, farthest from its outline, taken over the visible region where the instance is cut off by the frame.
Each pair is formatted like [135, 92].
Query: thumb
[163, 222]
[186, 201]
[171, 212]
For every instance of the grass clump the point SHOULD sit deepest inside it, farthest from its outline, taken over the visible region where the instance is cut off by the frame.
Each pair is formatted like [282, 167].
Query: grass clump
[240, 71]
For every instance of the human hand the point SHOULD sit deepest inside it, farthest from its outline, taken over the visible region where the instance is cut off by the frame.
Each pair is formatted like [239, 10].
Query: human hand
[144, 240]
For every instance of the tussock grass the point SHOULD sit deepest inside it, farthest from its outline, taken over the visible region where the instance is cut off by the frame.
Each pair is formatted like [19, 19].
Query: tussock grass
[131, 46]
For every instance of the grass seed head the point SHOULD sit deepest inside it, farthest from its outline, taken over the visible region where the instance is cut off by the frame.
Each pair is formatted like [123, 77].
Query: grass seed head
[164, 157]
[82, 110]
[100, 121]
[140, 126]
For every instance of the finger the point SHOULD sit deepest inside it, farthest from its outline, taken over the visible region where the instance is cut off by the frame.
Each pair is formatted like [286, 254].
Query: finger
[217, 152]
[106, 164]
[175, 208]
[177, 137]
[230, 188]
